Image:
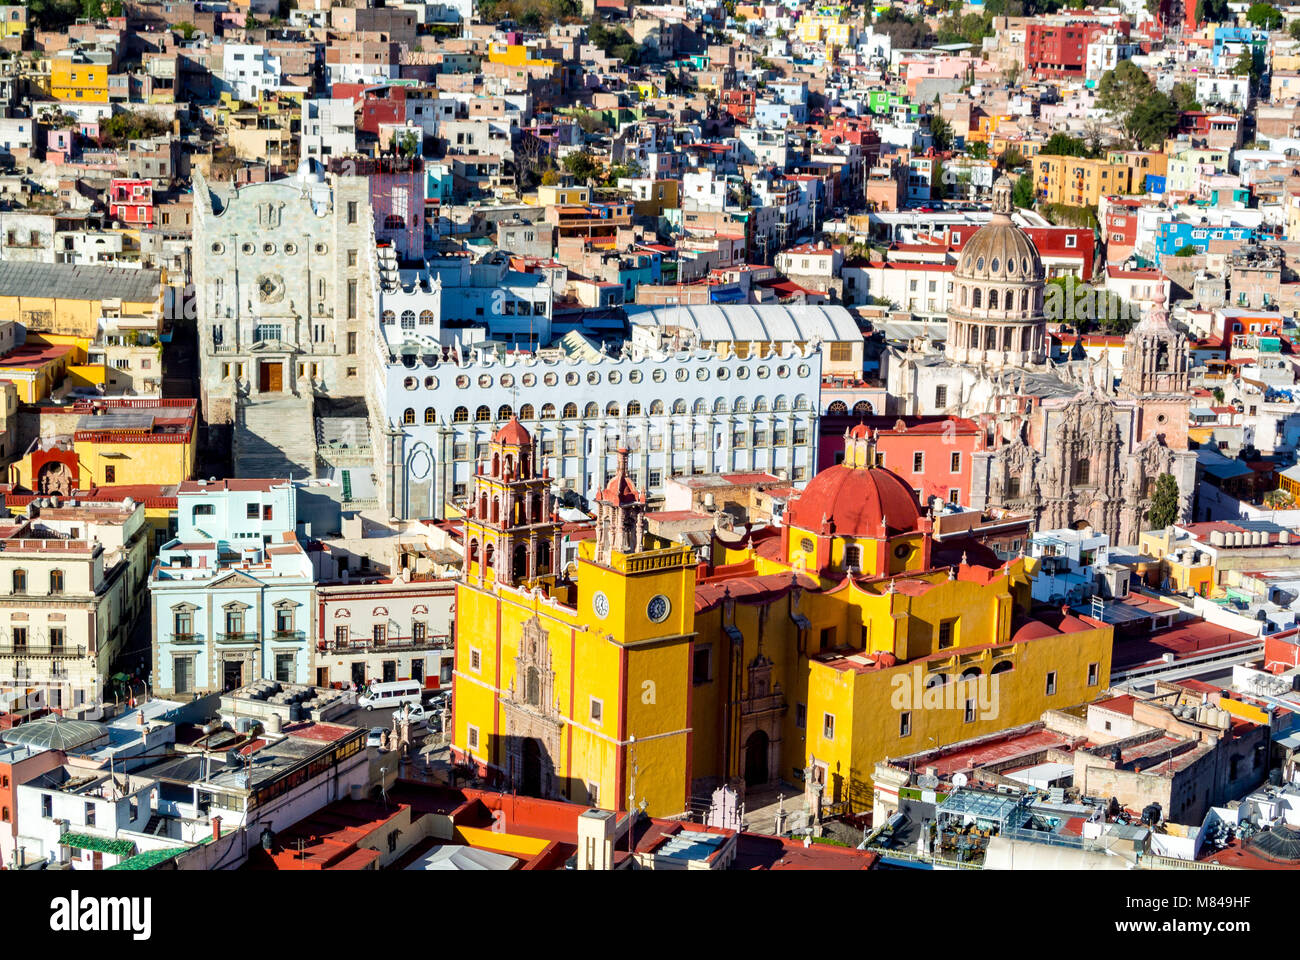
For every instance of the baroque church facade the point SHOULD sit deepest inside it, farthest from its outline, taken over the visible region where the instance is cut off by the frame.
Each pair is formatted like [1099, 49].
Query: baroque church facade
[1068, 444]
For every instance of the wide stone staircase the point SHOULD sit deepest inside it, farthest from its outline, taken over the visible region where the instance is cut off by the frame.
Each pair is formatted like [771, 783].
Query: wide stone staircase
[275, 437]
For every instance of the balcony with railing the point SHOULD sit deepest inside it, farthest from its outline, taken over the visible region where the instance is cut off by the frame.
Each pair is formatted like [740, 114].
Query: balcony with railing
[10, 649]
[185, 639]
[395, 643]
[239, 637]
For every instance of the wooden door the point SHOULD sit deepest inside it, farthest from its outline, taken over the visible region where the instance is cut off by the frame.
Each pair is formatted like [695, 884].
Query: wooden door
[276, 378]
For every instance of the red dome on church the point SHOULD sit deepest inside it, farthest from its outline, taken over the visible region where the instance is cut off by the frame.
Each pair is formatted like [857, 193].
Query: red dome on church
[856, 500]
[513, 433]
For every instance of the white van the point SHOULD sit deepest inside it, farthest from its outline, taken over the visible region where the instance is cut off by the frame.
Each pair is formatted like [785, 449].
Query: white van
[391, 694]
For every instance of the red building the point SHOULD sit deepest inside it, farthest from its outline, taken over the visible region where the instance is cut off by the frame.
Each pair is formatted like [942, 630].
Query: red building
[739, 104]
[1121, 221]
[932, 454]
[131, 201]
[19, 764]
[1059, 47]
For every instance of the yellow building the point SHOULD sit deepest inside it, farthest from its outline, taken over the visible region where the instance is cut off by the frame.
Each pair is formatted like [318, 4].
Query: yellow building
[13, 20]
[516, 55]
[77, 301]
[80, 77]
[104, 443]
[824, 648]
[552, 195]
[1079, 182]
[1178, 560]
[36, 368]
[827, 25]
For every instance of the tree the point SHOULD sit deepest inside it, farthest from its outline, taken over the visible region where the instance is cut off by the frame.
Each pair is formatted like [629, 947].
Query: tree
[582, 165]
[1164, 503]
[1022, 194]
[1218, 394]
[1294, 29]
[1012, 159]
[979, 150]
[941, 131]
[1153, 119]
[1126, 88]
[1212, 10]
[1246, 66]
[1183, 95]
[1264, 15]
[1064, 145]
[409, 145]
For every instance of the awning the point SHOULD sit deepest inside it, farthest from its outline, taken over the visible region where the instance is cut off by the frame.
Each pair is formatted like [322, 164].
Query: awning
[85, 841]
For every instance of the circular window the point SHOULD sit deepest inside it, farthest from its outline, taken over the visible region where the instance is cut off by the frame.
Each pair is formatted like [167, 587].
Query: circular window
[701, 374]
[979, 264]
[806, 545]
[218, 248]
[247, 248]
[742, 373]
[803, 370]
[634, 376]
[615, 377]
[485, 381]
[1161, 418]
[550, 379]
[995, 264]
[268, 249]
[723, 373]
[783, 371]
[764, 372]
[321, 248]
[682, 374]
[593, 378]
[410, 383]
[903, 551]
[462, 381]
[291, 248]
[530, 379]
[571, 379]
[658, 376]
[431, 383]
[507, 380]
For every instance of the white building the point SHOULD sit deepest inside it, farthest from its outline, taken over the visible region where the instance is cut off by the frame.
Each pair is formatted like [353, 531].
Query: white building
[247, 69]
[390, 630]
[328, 128]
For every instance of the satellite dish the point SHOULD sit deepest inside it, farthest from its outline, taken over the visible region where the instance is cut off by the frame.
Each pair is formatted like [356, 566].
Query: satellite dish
[927, 781]
[959, 780]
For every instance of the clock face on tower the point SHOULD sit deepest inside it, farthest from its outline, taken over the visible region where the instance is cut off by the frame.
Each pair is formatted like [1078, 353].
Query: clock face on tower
[658, 608]
[600, 605]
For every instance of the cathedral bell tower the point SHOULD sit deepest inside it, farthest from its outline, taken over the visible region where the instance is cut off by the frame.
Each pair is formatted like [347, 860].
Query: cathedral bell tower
[511, 531]
[620, 514]
[1155, 376]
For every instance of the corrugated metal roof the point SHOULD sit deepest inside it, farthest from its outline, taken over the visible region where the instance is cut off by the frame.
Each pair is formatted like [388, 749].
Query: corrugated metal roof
[763, 322]
[76, 282]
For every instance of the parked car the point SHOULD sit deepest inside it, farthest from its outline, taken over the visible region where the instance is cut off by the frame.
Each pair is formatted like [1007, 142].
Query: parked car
[373, 738]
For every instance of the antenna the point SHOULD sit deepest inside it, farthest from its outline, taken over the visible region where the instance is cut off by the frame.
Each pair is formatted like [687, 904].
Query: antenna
[960, 780]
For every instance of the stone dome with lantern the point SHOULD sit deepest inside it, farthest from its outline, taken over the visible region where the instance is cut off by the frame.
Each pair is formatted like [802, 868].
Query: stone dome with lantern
[995, 312]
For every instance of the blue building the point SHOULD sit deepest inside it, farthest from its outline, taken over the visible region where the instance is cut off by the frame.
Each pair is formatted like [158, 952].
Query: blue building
[1229, 41]
[232, 595]
[1172, 237]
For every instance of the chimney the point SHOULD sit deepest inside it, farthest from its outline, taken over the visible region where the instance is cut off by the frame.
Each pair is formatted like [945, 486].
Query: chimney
[216, 828]
[596, 840]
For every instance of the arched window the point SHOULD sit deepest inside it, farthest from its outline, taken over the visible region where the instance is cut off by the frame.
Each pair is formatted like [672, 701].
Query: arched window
[837, 408]
[1024, 339]
[394, 221]
[634, 408]
[548, 411]
[656, 408]
[496, 509]
[965, 295]
[990, 338]
[1002, 666]
[720, 405]
[1006, 338]
[1024, 300]
[971, 673]
[801, 402]
[504, 412]
[933, 680]
[570, 411]
[611, 410]
[526, 412]
[408, 319]
[679, 406]
[862, 409]
[488, 553]
[482, 506]
[483, 415]
[993, 299]
[473, 551]
[780, 403]
[408, 416]
[496, 464]
[460, 415]
[699, 407]
[591, 410]
[388, 317]
[429, 415]
[975, 336]
[975, 297]
[56, 581]
[760, 404]
[740, 406]
[426, 317]
[543, 556]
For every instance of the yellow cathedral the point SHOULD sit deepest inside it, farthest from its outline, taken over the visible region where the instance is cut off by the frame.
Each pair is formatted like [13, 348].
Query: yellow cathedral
[808, 651]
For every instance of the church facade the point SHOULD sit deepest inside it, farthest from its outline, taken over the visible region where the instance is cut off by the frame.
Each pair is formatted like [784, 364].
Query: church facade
[1068, 444]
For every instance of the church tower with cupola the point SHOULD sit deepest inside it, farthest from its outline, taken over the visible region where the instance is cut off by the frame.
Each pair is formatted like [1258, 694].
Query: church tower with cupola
[511, 532]
[1155, 376]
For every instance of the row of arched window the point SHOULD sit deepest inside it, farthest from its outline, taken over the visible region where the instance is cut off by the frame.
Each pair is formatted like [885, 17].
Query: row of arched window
[633, 409]
[1008, 302]
[970, 673]
[408, 318]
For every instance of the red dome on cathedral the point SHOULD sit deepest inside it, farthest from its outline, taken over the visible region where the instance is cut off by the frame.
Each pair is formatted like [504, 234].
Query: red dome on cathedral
[513, 433]
[856, 500]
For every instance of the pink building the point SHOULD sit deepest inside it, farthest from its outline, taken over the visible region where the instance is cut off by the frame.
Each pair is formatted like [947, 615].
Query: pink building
[131, 201]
